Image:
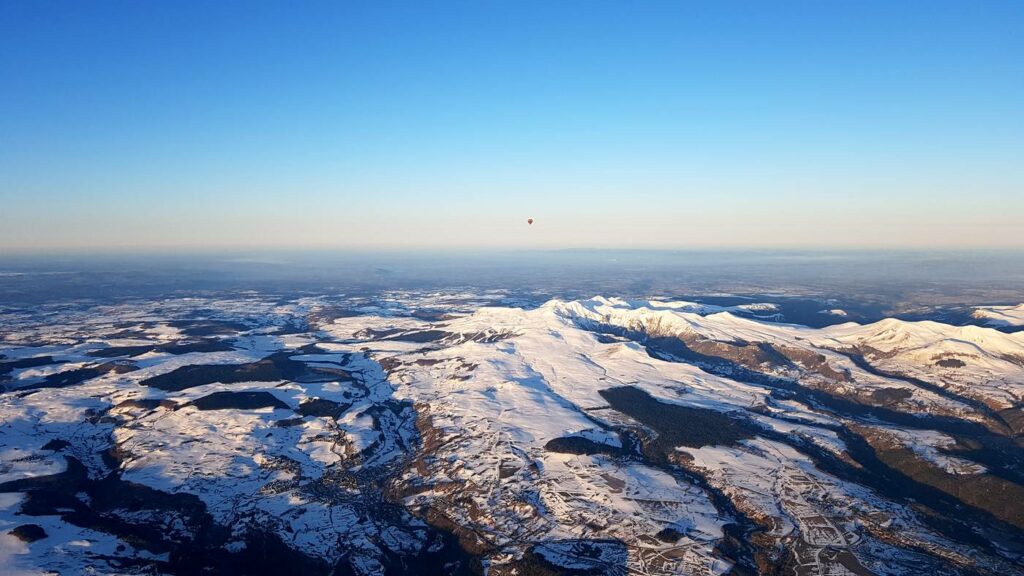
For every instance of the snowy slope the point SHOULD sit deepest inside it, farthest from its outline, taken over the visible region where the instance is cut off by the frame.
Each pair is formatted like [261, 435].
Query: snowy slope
[1001, 316]
[458, 432]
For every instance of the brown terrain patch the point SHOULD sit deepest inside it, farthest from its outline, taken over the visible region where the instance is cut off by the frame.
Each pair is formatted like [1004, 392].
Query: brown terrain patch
[997, 496]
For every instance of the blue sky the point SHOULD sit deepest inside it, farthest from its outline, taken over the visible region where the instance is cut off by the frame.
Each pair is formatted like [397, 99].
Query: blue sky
[446, 124]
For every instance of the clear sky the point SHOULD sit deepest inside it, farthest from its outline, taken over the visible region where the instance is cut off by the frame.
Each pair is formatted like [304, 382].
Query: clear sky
[178, 124]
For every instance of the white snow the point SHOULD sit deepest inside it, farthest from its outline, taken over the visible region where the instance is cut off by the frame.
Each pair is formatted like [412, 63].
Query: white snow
[487, 408]
[1000, 316]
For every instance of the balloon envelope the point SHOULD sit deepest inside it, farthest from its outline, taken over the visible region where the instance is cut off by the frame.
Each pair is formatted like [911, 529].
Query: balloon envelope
[529, 220]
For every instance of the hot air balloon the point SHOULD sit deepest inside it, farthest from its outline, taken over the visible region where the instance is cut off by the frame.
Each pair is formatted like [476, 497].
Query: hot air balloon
[529, 221]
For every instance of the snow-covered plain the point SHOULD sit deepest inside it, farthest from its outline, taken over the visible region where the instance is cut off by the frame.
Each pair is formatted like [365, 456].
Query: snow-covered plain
[486, 434]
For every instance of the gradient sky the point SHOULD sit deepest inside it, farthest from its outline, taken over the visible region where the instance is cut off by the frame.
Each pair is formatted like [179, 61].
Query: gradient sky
[176, 124]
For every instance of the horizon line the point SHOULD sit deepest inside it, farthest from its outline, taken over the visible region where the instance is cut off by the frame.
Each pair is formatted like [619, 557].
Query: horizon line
[20, 252]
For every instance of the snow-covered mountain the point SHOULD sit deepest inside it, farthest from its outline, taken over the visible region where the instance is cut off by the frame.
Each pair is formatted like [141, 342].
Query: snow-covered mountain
[470, 433]
[1000, 315]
